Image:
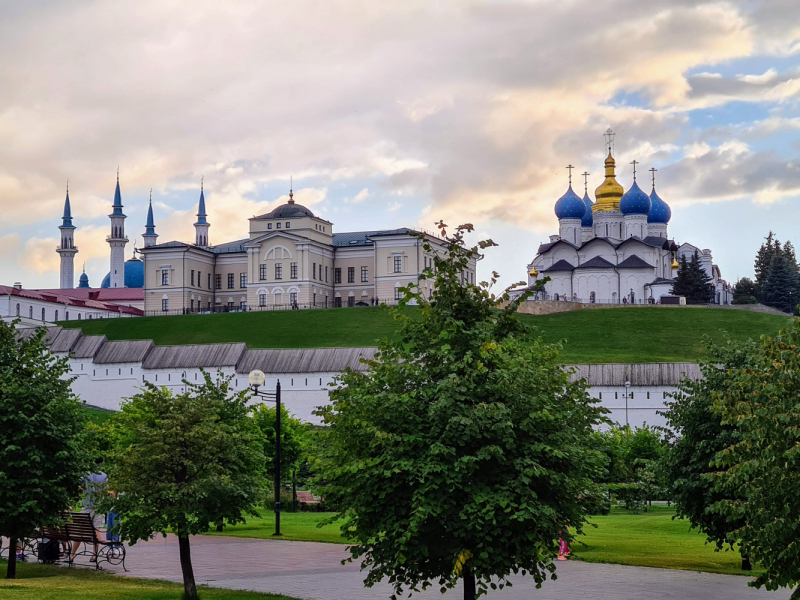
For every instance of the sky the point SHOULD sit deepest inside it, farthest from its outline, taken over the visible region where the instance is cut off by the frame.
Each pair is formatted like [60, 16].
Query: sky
[393, 114]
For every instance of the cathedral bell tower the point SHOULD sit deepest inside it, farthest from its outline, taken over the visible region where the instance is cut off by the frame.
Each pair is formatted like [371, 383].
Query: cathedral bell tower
[67, 250]
[117, 241]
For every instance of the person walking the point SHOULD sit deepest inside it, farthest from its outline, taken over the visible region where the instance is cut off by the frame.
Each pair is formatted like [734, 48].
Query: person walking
[92, 484]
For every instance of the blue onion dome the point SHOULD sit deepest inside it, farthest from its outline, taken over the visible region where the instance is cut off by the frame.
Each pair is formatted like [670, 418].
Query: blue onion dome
[134, 275]
[570, 206]
[634, 201]
[83, 280]
[659, 210]
[588, 219]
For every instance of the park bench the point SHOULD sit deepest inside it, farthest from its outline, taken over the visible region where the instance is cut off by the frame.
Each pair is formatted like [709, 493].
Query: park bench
[78, 527]
[306, 498]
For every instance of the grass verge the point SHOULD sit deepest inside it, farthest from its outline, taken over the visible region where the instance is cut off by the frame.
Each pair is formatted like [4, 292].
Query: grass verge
[300, 526]
[47, 582]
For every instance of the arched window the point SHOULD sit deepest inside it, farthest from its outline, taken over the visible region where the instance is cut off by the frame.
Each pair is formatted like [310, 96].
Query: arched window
[56, 318]
[17, 309]
[555, 296]
[42, 313]
[591, 298]
[30, 312]
[66, 316]
[79, 316]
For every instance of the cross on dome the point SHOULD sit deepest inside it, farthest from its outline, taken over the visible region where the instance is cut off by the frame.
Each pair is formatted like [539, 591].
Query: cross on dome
[634, 162]
[585, 182]
[653, 173]
[569, 168]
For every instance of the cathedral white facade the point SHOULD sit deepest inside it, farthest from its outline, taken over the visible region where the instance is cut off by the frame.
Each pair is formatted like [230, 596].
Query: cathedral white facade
[615, 250]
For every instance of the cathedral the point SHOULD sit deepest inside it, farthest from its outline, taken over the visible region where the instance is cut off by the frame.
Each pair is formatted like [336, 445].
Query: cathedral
[615, 250]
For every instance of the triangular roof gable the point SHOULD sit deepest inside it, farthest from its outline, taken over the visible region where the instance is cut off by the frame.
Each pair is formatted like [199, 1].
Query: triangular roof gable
[597, 262]
[561, 265]
[279, 233]
[552, 245]
[634, 262]
[599, 240]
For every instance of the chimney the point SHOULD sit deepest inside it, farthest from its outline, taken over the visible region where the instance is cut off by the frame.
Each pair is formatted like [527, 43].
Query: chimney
[17, 285]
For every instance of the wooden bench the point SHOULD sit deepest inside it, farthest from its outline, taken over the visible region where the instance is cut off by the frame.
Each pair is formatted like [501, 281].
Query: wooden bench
[307, 499]
[78, 527]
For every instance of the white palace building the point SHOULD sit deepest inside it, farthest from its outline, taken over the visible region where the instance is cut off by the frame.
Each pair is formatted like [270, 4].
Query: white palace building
[617, 249]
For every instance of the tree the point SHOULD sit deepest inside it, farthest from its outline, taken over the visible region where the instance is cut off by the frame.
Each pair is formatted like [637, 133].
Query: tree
[761, 470]
[745, 291]
[782, 287]
[764, 258]
[462, 452]
[700, 435]
[185, 462]
[42, 427]
[693, 282]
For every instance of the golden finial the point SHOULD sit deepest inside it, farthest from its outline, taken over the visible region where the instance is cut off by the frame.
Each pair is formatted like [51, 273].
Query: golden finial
[674, 264]
[533, 272]
[291, 194]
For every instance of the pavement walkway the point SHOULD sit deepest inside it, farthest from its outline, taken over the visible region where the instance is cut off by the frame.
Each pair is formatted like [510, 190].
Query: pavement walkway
[313, 571]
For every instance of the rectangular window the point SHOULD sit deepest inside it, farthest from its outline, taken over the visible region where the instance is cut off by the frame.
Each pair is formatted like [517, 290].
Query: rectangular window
[364, 274]
[209, 281]
[398, 295]
[192, 277]
[287, 224]
[269, 225]
[616, 395]
[243, 305]
[277, 225]
[165, 277]
[293, 270]
[314, 271]
[337, 276]
[262, 272]
[351, 274]
[648, 395]
[314, 299]
[351, 301]
[600, 396]
[293, 297]
[326, 274]
[199, 280]
[164, 304]
[230, 281]
[230, 305]
[262, 299]
[242, 280]
[278, 271]
[337, 302]
[191, 304]
[398, 264]
[218, 281]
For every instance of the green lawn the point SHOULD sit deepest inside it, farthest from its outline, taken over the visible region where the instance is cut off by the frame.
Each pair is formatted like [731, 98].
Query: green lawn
[300, 526]
[47, 582]
[631, 334]
[98, 417]
[652, 539]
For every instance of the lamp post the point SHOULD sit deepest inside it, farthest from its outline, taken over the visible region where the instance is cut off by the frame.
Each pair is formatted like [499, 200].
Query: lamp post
[627, 387]
[256, 380]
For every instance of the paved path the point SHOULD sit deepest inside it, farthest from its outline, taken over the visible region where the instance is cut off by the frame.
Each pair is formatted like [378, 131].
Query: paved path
[312, 571]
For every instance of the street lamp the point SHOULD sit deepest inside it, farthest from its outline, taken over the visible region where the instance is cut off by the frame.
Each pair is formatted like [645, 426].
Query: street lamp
[627, 387]
[257, 379]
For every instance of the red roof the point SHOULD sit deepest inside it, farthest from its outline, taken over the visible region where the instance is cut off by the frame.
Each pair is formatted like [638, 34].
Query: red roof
[101, 294]
[59, 297]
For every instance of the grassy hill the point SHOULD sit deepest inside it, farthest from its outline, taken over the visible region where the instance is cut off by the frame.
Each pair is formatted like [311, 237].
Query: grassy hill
[629, 334]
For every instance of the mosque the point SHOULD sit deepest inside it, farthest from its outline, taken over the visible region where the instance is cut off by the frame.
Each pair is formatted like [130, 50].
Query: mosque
[615, 250]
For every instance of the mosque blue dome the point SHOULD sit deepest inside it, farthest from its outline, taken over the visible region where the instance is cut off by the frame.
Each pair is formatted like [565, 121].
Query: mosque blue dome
[659, 210]
[634, 201]
[570, 206]
[588, 218]
[83, 281]
[134, 274]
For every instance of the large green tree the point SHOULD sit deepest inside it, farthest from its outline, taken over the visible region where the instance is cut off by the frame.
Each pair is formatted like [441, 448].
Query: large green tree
[745, 291]
[761, 469]
[692, 281]
[770, 248]
[185, 462]
[42, 429]
[462, 452]
[781, 289]
[700, 435]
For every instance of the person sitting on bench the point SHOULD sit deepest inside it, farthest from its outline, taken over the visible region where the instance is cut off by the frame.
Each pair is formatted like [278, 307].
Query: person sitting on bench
[92, 484]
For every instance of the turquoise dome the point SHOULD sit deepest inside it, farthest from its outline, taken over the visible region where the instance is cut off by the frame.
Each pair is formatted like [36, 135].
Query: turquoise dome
[134, 275]
[634, 201]
[588, 218]
[570, 206]
[659, 210]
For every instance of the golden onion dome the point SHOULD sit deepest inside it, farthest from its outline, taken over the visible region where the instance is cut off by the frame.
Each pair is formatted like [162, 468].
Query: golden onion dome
[609, 193]
[533, 272]
[674, 264]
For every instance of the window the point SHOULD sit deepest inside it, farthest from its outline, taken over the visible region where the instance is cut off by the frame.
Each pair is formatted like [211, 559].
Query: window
[191, 304]
[242, 280]
[277, 225]
[230, 281]
[269, 225]
[164, 304]
[616, 395]
[337, 302]
[314, 276]
[278, 271]
[66, 317]
[293, 270]
[665, 395]
[398, 294]
[56, 317]
[351, 274]
[648, 395]
[192, 277]
[230, 305]
[165, 277]
[314, 299]
[600, 396]
[43, 314]
[398, 264]
[218, 281]
[199, 280]
[262, 272]
[364, 274]
[293, 297]
[337, 275]
[17, 309]
[287, 225]
[209, 281]
[79, 318]
[326, 274]
[351, 301]
[243, 305]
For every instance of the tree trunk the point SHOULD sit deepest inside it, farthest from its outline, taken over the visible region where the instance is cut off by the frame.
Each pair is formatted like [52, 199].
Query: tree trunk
[11, 570]
[469, 585]
[746, 566]
[189, 587]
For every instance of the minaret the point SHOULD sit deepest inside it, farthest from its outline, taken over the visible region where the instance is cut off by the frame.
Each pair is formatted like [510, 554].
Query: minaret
[67, 250]
[150, 234]
[201, 226]
[117, 241]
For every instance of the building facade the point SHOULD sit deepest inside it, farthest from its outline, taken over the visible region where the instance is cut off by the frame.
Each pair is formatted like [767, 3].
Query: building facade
[291, 259]
[615, 250]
